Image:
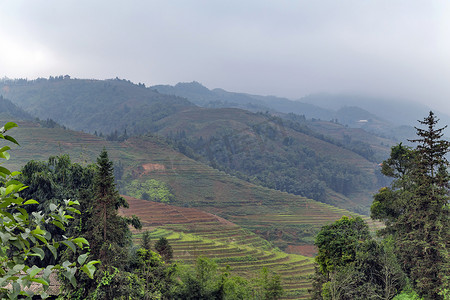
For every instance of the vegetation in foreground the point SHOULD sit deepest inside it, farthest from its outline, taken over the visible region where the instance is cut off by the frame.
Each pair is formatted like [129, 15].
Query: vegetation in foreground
[24, 236]
[412, 256]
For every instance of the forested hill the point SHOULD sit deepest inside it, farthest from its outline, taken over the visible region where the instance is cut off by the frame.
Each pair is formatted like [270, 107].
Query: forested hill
[280, 154]
[93, 105]
[202, 96]
[140, 161]
[389, 118]
[324, 161]
[9, 110]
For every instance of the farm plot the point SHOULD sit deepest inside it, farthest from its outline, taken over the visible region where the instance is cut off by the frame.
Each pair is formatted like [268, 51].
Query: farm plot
[193, 233]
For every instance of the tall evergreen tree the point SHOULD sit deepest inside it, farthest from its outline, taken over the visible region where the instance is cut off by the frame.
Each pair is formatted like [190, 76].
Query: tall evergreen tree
[416, 209]
[109, 231]
[109, 237]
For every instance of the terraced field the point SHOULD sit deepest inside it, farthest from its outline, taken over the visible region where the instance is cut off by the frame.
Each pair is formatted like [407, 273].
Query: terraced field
[194, 233]
[285, 219]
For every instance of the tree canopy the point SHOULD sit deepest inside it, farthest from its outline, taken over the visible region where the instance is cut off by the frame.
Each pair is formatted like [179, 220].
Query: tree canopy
[23, 236]
[416, 208]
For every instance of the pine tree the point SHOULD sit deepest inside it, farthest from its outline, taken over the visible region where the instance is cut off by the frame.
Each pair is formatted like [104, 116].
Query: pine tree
[164, 249]
[110, 233]
[109, 237]
[425, 246]
[416, 208]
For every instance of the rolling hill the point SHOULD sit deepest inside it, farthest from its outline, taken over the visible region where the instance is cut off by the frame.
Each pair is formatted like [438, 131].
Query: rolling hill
[283, 218]
[278, 154]
[217, 215]
[93, 105]
[284, 154]
[386, 117]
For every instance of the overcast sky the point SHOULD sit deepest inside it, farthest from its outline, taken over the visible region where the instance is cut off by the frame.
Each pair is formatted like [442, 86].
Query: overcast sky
[395, 49]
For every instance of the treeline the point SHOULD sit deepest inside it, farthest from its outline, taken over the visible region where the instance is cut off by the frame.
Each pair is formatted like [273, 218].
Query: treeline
[410, 258]
[298, 123]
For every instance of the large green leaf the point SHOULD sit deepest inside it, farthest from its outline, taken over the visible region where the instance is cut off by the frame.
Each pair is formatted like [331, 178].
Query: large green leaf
[9, 125]
[39, 252]
[89, 268]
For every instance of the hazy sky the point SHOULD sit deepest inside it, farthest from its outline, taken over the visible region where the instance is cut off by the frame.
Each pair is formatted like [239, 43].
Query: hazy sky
[281, 47]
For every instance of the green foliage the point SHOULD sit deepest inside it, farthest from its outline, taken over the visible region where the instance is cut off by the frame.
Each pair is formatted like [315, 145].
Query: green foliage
[351, 265]
[205, 281]
[407, 295]
[268, 286]
[108, 231]
[108, 234]
[415, 209]
[339, 242]
[263, 154]
[146, 240]
[164, 249]
[157, 275]
[23, 236]
[149, 189]
[202, 283]
[49, 183]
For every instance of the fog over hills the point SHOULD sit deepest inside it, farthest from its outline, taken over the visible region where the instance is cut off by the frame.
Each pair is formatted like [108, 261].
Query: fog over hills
[389, 117]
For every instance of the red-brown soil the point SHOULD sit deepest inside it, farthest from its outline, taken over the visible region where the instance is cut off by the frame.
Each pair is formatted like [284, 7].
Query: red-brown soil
[305, 250]
[157, 214]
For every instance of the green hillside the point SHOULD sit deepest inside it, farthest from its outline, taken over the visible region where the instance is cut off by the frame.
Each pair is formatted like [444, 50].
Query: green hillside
[9, 110]
[93, 105]
[278, 154]
[283, 154]
[283, 218]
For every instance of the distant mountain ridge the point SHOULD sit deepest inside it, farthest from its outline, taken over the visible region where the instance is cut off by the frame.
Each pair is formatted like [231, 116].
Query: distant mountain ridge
[398, 112]
[384, 116]
[88, 105]
[202, 96]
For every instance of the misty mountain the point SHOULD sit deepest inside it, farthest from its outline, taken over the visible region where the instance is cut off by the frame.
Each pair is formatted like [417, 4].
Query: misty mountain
[398, 112]
[202, 96]
[9, 110]
[389, 118]
[93, 105]
[217, 98]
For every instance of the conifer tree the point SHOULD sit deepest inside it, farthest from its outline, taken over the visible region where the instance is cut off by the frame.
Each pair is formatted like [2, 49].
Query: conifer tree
[416, 208]
[109, 231]
[425, 246]
[164, 249]
[109, 237]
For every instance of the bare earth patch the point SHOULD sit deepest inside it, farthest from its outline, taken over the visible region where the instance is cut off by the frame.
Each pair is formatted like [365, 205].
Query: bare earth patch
[153, 167]
[305, 250]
